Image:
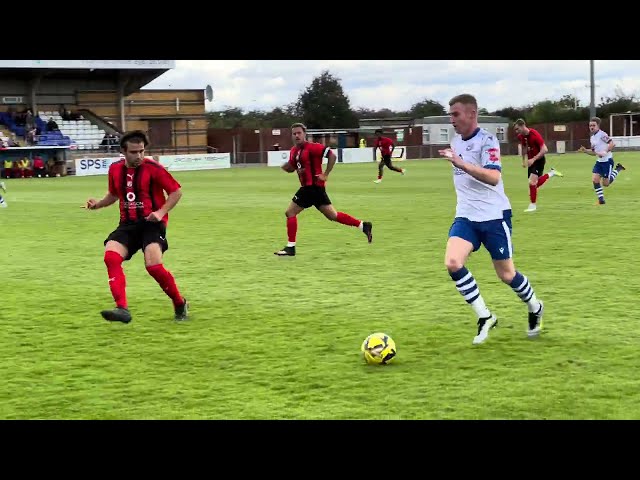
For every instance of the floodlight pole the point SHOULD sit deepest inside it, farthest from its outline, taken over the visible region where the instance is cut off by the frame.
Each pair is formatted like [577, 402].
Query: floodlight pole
[592, 107]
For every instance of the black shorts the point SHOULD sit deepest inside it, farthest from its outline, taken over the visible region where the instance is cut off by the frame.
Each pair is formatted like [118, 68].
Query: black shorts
[311, 195]
[136, 236]
[386, 159]
[537, 168]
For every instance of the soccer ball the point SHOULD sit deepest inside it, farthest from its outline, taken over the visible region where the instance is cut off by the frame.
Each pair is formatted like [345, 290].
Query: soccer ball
[378, 349]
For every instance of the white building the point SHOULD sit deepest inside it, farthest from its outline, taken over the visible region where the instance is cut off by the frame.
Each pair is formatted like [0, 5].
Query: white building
[439, 131]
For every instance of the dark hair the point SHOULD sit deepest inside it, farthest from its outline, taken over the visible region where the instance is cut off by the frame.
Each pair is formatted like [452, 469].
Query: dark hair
[464, 99]
[134, 136]
[299, 125]
[597, 120]
[379, 130]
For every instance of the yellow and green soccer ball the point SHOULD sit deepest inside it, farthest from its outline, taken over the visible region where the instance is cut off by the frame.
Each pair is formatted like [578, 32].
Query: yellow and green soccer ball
[378, 349]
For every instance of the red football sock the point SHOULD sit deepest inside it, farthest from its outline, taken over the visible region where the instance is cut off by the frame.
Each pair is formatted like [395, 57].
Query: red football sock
[292, 228]
[166, 282]
[345, 219]
[533, 193]
[543, 179]
[117, 281]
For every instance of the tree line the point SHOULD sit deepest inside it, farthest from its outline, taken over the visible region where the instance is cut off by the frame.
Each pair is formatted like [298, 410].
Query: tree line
[324, 104]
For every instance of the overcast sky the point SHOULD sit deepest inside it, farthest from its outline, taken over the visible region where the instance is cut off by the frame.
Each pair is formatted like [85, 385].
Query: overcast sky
[397, 84]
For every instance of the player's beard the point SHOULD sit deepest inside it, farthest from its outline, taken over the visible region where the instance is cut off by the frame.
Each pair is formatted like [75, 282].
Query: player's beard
[135, 164]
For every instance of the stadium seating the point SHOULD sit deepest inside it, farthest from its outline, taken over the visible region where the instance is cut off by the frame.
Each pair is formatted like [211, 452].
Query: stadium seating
[81, 133]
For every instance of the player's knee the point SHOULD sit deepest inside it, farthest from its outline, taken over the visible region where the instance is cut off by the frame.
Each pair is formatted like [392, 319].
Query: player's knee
[331, 215]
[533, 182]
[453, 264]
[112, 258]
[506, 274]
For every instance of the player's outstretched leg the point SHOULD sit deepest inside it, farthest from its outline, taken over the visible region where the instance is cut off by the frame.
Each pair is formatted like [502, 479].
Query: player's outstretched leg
[346, 219]
[614, 173]
[394, 168]
[3, 186]
[117, 284]
[552, 173]
[458, 250]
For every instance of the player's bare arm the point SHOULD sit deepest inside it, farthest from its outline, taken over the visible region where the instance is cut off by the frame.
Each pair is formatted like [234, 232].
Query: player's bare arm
[330, 163]
[287, 167]
[485, 175]
[610, 146]
[588, 151]
[93, 204]
[172, 200]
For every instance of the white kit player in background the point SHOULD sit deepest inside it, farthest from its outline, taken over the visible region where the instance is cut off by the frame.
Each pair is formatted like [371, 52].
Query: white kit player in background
[483, 217]
[603, 171]
[3, 204]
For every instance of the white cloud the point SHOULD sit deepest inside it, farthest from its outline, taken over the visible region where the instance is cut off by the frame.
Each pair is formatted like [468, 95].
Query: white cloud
[397, 84]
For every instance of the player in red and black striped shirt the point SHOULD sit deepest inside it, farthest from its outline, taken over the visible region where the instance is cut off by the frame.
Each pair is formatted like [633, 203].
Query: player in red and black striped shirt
[386, 146]
[139, 184]
[534, 148]
[305, 158]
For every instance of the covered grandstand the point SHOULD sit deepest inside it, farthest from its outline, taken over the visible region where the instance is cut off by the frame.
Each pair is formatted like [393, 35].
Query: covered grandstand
[93, 101]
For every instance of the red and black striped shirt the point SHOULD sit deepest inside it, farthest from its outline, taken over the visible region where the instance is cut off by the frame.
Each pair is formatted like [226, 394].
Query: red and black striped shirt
[385, 145]
[307, 160]
[140, 190]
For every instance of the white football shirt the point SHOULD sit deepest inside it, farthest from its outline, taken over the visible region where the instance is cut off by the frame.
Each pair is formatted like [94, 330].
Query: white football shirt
[599, 143]
[476, 200]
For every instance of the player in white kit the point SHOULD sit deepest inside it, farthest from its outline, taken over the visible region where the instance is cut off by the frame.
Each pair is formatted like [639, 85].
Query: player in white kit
[3, 204]
[601, 146]
[483, 216]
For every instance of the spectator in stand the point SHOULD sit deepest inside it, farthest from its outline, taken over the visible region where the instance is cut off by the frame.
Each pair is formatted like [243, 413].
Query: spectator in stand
[52, 125]
[31, 136]
[28, 120]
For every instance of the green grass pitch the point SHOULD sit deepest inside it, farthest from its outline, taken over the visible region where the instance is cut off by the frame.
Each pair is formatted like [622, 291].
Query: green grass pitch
[279, 338]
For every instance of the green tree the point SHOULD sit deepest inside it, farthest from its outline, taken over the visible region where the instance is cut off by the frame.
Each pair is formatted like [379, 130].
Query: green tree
[620, 102]
[325, 105]
[427, 108]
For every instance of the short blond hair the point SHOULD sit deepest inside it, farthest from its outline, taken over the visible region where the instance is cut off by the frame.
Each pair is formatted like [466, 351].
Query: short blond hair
[465, 99]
